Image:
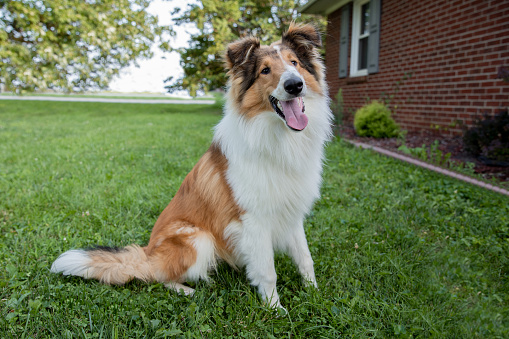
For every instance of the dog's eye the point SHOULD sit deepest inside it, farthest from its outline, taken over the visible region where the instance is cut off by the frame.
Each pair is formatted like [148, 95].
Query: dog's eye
[266, 70]
[294, 62]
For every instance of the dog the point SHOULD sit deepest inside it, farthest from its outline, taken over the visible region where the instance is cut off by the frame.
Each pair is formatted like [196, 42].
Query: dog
[248, 195]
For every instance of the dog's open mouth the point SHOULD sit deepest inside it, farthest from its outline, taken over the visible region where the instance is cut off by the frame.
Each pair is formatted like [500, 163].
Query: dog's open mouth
[291, 111]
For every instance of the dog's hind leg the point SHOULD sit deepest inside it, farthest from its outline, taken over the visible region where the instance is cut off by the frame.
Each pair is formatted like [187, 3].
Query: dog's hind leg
[185, 254]
[179, 287]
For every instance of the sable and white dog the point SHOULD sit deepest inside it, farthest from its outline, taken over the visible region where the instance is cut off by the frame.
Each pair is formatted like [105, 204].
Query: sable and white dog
[249, 193]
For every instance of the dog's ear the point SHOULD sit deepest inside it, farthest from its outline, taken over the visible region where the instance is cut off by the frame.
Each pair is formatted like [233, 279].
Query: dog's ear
[305, 40]
[302, 37]
[239, 51]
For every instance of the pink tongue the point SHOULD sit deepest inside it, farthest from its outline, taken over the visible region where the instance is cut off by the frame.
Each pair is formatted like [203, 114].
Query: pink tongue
[294, 116]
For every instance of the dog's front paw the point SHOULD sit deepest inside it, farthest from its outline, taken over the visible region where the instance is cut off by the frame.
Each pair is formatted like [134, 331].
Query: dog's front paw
[276, 306]
[310, 283]
[281, 311]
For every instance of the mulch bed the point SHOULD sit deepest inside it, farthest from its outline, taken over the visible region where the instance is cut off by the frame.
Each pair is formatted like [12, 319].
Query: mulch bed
[447, 144]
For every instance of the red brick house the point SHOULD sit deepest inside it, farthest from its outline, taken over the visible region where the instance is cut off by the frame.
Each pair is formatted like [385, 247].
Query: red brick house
[452, 51]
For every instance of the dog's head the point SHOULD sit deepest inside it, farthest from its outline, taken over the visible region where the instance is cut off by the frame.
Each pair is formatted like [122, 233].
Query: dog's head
[276, 77]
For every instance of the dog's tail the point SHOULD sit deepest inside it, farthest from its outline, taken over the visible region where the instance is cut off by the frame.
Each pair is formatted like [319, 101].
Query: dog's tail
[114, 266]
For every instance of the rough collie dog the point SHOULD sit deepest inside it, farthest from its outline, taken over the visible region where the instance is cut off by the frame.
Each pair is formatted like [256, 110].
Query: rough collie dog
[248, 195]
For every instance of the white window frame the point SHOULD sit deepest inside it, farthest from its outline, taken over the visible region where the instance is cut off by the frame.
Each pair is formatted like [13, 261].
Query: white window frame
[356, 27]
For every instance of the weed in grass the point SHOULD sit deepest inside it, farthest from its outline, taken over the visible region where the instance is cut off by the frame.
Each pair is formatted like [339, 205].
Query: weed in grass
[435, 156]
[432, 154]
[399, 251]
[338, 110]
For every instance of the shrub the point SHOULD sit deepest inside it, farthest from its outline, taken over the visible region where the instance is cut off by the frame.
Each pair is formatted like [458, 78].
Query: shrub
[374, 120]
[489, 137]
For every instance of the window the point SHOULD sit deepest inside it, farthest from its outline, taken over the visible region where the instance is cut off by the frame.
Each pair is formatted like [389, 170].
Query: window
[360, 38]
[364, 40]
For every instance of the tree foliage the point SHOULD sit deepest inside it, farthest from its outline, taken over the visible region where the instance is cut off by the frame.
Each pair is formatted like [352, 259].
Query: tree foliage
[72, 45]
[222, 21]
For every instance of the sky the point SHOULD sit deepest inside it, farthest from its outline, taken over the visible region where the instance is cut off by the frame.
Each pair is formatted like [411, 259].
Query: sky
[150, 75]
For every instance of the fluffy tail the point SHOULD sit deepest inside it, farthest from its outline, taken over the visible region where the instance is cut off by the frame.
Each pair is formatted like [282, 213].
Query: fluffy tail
[108, 265]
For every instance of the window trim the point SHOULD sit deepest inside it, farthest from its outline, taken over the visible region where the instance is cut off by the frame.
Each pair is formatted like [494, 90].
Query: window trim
[356, 26]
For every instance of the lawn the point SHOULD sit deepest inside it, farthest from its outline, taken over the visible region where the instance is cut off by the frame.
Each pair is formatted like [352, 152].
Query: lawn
[141, 96]
[399, 251]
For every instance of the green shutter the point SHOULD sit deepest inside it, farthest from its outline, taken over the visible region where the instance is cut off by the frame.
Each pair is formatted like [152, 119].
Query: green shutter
[374, 35]
[344, 41]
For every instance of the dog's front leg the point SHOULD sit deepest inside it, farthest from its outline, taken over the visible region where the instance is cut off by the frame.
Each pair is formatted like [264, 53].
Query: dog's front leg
[257, 253]
[298, 250]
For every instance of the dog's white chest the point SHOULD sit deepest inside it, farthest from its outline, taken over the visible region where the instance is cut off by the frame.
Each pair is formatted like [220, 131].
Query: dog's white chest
[267, 189]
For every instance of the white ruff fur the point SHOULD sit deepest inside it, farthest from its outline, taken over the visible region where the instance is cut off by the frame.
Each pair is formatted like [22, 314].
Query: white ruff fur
[275, 176]
[273, 171]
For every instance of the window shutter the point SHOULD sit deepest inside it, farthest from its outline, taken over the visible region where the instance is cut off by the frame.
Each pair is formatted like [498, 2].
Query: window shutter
[374, 35]
[344, 41]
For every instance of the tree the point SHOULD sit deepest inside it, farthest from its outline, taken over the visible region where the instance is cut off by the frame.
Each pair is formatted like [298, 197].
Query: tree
[72, 45]
[222, 21]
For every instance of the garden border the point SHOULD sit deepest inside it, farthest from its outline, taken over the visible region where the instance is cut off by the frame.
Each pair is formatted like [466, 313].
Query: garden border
[429, 167]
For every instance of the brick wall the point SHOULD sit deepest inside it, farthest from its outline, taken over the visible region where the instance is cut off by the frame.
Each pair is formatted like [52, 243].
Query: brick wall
[452, 49]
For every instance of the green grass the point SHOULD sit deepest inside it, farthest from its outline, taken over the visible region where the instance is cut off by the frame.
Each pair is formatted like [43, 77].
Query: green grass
[108, 96]
[399, 251]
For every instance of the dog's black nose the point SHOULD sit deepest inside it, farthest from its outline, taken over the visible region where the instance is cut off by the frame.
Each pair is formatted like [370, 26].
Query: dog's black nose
[293, 86]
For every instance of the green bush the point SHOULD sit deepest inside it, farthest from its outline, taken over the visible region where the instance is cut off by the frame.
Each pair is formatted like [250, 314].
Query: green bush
[374, 120]
[488, 139]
